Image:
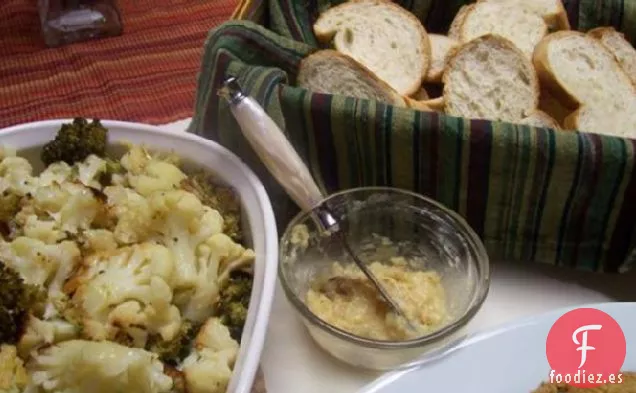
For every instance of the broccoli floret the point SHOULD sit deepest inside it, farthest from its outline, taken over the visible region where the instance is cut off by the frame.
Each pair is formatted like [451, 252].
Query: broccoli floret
[76, 141]
[174, 351]
[17, 301]
[218, 197]
[234, 300]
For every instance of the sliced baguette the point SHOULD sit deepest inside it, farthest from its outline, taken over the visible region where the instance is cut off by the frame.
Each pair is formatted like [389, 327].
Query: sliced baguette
[578, 70]
[490, 78]
[622, 50]
[521, 26]
[539, 118]
[597, 120]
[552, 11]
[384, 37]
[455, 29]
[441, 46]
[330, 72]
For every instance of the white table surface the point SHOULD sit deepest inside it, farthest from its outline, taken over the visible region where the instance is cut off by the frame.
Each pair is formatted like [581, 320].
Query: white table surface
[292, 363]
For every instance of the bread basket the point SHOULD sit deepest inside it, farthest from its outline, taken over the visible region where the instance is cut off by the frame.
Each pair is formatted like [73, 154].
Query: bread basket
[531, 194]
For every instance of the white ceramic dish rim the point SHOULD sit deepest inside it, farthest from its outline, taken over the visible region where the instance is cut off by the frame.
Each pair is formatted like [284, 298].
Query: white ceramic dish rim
[231, 169]
[468, 340]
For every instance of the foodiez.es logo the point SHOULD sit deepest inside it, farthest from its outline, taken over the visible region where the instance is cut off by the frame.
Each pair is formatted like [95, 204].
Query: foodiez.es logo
[586, 348]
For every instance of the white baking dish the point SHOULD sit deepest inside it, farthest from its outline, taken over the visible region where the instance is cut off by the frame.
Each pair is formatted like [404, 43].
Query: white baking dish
[259, 228]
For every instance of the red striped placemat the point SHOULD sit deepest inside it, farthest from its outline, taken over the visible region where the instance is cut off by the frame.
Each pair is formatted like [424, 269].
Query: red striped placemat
[148, 74]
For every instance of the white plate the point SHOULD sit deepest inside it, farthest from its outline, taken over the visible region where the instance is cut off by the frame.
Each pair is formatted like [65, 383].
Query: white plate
[505, 360]
[256, 208]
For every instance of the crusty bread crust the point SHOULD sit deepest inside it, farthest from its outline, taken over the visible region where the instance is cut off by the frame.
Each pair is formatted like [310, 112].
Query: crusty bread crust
[436, 104]
[598, 32]
[417, 105]
[561, 20]
[552, 106]
[420, 95]
[455, 29]
[425, 45]
[546, 74]
[365, 75]
[627, 63]
[571, 121]
[429, 105]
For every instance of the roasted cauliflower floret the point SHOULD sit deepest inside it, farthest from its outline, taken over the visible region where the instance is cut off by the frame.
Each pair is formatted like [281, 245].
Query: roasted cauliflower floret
[190, 230]
[79, 366]
[16, 176]
[90, 171]
[208, 368]
[13, 376]
[219, 197]
[73, 206]
[127, 292]
[34, 227]
[56, 173]
[98, 240]
[213, 256]
[148, 175]
[133, 214]
[40, 333]
[184, 223]
[45, 265]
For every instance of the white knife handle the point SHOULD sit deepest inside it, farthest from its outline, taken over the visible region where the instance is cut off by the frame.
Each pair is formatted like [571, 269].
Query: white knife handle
[275, 151]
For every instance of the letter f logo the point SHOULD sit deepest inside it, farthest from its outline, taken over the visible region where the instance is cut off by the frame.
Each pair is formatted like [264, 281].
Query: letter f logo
[583, 344]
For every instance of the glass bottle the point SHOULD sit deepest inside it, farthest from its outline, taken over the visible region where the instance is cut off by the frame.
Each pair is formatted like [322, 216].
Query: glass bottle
[67, 21]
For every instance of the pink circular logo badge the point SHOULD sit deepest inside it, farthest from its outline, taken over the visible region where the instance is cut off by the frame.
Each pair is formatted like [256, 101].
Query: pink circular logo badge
[586, 348]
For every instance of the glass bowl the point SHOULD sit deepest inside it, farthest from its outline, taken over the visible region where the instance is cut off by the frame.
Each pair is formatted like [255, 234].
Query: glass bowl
[431, 236]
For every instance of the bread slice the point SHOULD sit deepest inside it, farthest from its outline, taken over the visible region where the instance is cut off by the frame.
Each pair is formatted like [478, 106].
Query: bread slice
[384, 37]
[455, 29]
[490, 78]
[552, 11]
[622, 50]
[441, 46]
[521, 26]
[330, 72]
[597, 120]
[578, 70]
[539, 118]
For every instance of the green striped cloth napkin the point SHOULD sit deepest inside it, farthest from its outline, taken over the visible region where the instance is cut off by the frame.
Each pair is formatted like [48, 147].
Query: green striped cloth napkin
[535, 195]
